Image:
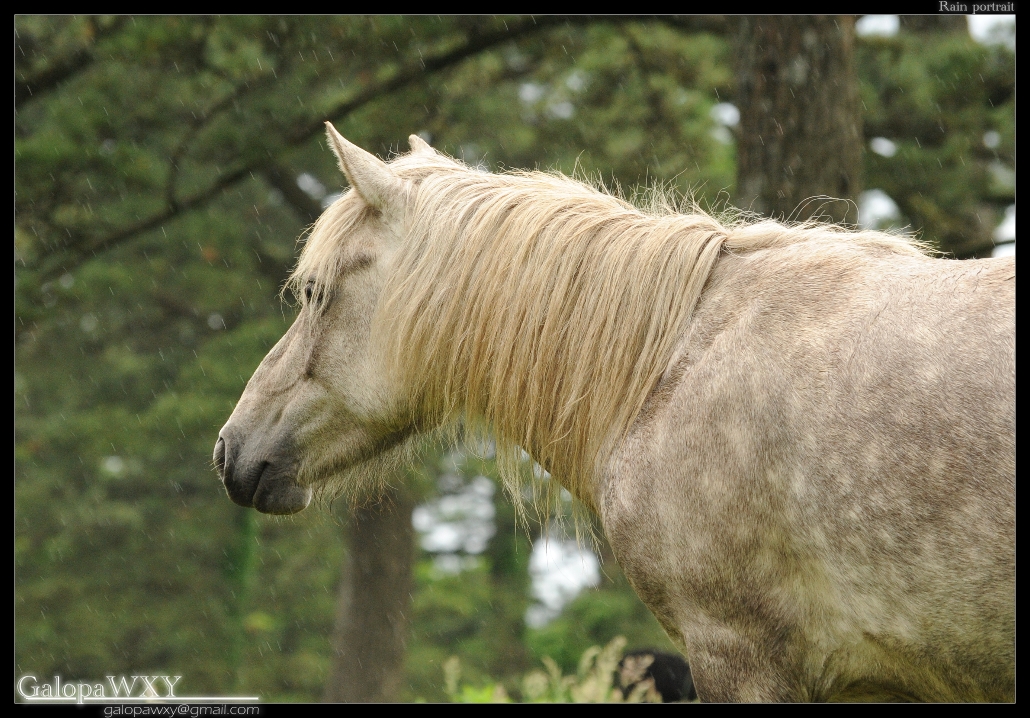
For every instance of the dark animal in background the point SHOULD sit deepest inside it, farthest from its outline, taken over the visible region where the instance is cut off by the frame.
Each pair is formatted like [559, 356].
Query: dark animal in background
[668, 671]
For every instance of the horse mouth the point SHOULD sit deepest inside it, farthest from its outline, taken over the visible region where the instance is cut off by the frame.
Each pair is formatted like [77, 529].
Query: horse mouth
[266, 486]
[276, 493]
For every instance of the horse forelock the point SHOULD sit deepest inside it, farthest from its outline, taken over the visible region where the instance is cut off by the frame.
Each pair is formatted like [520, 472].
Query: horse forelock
[325, 243]
[540, 307]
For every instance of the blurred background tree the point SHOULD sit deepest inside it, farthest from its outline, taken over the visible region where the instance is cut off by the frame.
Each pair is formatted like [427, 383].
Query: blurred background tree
[800, 139]
[166, 166]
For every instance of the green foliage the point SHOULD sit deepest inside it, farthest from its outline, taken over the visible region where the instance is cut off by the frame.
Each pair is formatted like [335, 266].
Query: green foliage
[478, 611]
[597, 617]
[594, 680]
[936, 98]
[627, 101]
[489, 693]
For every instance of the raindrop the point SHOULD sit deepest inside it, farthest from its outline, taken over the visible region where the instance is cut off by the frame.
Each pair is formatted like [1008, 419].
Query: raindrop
[215, 321]
[88, 323]
[992, 139]
[66, 280]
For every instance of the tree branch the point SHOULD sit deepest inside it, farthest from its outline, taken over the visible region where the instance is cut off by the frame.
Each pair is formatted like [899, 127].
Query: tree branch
[90, 247]
[714, 24]
[285, 181]
[426, 66]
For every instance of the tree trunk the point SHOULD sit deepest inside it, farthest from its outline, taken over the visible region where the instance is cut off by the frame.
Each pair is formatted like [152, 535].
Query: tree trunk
[374, 603]
[800, 136]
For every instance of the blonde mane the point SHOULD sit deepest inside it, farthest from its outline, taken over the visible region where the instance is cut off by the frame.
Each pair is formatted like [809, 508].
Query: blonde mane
[539, 308]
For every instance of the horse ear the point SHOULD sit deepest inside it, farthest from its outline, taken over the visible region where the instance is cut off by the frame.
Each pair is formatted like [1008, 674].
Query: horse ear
[368, 175]
[420, 146]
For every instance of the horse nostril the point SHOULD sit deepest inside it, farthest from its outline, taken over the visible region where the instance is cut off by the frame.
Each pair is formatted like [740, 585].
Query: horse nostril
[220, 458]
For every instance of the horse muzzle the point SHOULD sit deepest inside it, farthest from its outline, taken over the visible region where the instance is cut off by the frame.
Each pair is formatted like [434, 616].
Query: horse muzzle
[266, 482]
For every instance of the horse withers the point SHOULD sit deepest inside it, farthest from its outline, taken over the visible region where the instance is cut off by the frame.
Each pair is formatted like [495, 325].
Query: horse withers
[800, 440]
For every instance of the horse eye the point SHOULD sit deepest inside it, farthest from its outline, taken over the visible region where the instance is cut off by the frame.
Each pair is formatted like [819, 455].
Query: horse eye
[307, 292]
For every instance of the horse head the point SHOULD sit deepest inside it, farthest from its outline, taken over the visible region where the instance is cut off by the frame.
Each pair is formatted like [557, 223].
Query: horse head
[319, 404]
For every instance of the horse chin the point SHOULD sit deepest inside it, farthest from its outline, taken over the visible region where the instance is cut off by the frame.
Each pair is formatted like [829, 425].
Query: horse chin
[364, 476]
[282, 497]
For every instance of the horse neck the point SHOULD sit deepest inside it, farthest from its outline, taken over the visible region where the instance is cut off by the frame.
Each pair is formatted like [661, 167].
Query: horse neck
[550, 332]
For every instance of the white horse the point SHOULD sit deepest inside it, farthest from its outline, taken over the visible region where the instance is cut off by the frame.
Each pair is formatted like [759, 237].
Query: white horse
[800, 440]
